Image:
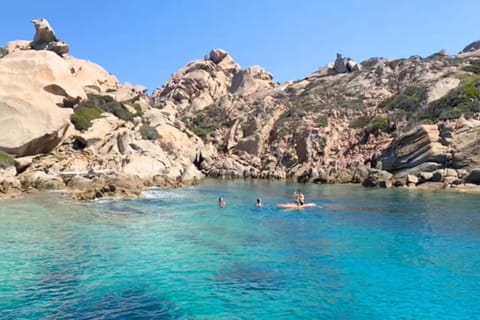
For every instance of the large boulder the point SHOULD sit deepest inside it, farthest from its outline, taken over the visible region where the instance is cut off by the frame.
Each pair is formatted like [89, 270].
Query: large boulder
[378, 178]
[419, 145]
[248, 81]
[473, 176]
[45, 38]
[38, 90]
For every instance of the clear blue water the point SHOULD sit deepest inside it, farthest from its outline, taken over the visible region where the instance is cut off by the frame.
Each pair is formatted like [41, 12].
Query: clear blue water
[365, 254]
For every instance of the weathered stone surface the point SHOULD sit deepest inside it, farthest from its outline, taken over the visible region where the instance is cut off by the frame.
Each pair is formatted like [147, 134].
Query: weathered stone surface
[45, 38]
[438, 175]
[191, 174]
[431, 186]
[412, 179]
[119, 186]
[345, 176]
[21, 164]
[93, 77]
[36, 122]
[17, 45]
[378, 178]
[415, 147]
[9, 184]
[251, 80]
[473, 176]
[41, 181]
[425, 176]
[440, 88]
[201, 82]
[80, 183]
[423, 167]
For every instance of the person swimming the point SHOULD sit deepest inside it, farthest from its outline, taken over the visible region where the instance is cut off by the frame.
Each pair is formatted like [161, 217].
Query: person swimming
[259, 203]
[298, 198]
[221, 202]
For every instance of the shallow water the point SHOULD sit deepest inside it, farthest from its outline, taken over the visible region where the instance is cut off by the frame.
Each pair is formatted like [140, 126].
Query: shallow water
[364, 254]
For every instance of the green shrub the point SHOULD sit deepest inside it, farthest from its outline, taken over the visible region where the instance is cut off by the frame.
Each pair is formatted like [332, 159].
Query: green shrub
[372, 124]
[470, 90]
[410, 99]
[360, 122]
[6, 160]
[138, 109]
[323, 121]
[149, 133]
[108, 104]
[473, 67]
[201, 132]
[380, 124]
[463, 100]
[83, 116]
[208, 120]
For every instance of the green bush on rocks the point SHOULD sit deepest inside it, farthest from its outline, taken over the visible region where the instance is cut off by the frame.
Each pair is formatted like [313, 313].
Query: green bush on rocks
[6, 160]
[149, 133]
[464, 100]
[83, 116]
[411, 99]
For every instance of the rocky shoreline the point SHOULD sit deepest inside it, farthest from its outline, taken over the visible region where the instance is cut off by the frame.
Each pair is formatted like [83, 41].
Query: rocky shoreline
[69, 124]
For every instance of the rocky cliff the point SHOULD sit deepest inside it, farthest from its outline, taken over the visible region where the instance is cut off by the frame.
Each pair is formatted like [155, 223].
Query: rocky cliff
[68, 123]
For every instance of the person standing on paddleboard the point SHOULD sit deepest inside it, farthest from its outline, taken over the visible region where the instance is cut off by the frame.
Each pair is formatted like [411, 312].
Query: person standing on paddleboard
[299, 198]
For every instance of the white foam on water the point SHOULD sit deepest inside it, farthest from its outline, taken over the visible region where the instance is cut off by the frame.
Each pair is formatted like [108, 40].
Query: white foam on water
[161, 194]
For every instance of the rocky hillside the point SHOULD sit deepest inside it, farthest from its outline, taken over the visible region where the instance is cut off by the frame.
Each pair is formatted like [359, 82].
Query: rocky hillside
[401, 122]
[69, 124]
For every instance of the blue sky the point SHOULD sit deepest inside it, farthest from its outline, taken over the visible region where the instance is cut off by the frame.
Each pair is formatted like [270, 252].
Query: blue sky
[144, 42]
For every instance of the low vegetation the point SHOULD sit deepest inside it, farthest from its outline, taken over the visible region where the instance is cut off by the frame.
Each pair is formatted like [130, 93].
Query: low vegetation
[323, 121]
[411, 99]
[373, 124]
[6, 160]
[84, 115]
[149, 133]
[464, 100]
[473, 67]
[208, 120]
[95, 105]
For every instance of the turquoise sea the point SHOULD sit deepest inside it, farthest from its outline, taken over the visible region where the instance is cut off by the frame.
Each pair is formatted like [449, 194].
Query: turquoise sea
[364, 254]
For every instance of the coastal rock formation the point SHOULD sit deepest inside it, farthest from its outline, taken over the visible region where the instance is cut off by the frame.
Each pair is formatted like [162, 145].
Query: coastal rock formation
[199, 83]
[93, 78]
[71, 125]
[45, 38]
[37, 96]
[251, 80]
[419, 145]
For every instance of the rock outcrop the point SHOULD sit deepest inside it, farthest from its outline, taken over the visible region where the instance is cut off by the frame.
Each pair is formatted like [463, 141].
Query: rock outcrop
[198, 84]
[37, 96]
[474, 46]
[251, 80]
[45, 38]
[419, 145]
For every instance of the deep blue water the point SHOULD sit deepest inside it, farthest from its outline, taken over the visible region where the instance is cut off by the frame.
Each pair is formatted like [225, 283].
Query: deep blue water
[364, 254]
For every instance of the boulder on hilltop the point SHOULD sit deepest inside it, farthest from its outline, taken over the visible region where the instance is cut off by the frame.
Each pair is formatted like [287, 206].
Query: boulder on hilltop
[45, 38]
